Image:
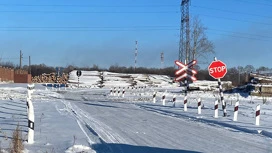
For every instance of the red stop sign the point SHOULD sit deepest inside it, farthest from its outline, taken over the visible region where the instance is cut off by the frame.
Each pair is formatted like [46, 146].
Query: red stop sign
[217, 69]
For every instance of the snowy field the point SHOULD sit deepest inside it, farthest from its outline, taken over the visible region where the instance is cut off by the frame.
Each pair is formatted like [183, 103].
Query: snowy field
[90, 119]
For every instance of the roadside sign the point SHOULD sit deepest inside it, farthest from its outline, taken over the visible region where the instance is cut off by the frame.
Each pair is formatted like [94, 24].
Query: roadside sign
[183, 70]
[78, 73]
[217, 69]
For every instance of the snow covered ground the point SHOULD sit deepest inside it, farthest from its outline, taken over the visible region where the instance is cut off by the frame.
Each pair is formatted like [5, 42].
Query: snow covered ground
[89, 119]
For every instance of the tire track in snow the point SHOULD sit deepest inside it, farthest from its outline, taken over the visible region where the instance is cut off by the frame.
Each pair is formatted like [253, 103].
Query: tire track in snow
[95, 131]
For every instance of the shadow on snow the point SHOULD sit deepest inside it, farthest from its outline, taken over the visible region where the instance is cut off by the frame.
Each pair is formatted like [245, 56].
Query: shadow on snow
[125, 148]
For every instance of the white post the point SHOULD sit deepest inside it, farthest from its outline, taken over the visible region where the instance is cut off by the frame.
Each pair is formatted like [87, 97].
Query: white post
[199, 106]
[174, 101]
[46, 86]
[163, 99]
[123, 94]
[59, 86]
[216, 109]
[154, 98]
[235, 116]
[29, 93]
[30, 139]
[258, 111]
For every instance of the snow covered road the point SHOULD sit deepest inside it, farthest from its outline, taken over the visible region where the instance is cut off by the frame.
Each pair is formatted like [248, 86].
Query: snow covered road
[124, 127]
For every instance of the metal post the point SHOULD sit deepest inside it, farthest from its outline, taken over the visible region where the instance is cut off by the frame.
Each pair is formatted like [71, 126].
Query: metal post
[221, 95]
[77, 82]
[222, 98]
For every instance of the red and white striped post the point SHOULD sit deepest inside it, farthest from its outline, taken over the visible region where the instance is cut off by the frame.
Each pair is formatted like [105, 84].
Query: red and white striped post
[258, 112]
[199, 106]
[154, 97]
[114, 91]
[118, 92]
[235, 116]
[174, 101]
[216, 109]
[163, 99]
[185, 98]
[111, 91]
[123, 94]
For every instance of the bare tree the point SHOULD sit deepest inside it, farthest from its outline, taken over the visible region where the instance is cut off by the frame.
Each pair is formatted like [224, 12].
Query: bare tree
[249, 68]
[201, 46]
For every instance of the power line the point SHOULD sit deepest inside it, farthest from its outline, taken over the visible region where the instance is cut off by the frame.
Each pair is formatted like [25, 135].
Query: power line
[245, 1]
[74, 5]
[240, 20]
[87, 27]
[256, 35]
[266, 40]
[228, 11]
[86, 30]
[89, 12]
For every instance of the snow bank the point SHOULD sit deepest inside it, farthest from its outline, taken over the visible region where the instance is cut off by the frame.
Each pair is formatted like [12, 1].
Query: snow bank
[79, 148]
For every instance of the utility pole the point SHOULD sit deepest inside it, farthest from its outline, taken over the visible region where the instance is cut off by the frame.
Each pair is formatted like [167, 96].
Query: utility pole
[162, 60]
[21, 57]
[29, 65]
[136, 54]
[184, 44]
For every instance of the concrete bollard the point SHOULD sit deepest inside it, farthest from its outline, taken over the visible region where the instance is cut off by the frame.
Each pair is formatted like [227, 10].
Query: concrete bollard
[235, 116]
[216, 109]
[258, 112]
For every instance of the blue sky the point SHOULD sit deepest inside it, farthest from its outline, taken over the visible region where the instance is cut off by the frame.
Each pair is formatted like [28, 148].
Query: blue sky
[103, 32]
